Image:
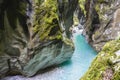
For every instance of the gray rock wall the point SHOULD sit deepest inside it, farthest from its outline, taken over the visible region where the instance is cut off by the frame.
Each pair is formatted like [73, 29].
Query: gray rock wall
[102, 22]
[22, 51]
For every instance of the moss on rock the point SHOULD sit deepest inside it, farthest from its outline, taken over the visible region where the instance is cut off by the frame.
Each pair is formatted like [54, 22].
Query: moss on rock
[105, 60]
[31, 37]
[46, 20]
[82, 5]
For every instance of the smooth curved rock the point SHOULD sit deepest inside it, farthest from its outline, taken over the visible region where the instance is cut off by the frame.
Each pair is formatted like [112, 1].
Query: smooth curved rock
[30, 42]
[51, 55]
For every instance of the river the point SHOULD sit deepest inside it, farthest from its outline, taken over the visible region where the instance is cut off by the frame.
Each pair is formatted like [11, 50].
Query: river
[69, 70]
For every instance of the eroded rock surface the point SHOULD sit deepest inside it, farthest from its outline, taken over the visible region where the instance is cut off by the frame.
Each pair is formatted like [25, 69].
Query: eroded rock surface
[32, 36]
[102, 22]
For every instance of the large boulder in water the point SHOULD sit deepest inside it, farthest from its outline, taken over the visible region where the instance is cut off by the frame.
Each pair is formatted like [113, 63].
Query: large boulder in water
[32, 36]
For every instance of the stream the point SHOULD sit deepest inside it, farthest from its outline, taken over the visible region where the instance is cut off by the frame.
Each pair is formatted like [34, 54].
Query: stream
[69, 70]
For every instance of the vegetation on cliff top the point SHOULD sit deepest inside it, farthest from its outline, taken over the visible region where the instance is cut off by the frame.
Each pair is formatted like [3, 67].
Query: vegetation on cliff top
[105, 60]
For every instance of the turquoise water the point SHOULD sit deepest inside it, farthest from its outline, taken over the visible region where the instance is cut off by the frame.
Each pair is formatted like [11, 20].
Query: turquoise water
[70, 70]
[81, 60]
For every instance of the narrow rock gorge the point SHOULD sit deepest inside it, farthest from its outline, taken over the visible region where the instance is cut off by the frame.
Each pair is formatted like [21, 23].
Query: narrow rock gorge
[38, 34]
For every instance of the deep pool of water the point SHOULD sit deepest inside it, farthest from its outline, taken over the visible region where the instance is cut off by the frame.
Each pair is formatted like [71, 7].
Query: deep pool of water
[70, 70]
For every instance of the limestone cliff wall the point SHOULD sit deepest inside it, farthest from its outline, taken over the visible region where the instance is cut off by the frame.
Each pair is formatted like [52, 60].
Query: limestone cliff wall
[102, 22]
[34, 35]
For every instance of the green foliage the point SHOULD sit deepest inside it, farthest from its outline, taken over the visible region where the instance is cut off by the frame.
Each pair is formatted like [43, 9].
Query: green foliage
[101, 1]
[102, 62]
[75, 20]
[116, 76]
[46, 20]
[102, 9]
[82, 5]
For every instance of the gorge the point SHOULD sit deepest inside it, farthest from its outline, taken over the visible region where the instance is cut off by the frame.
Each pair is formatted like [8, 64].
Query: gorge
[70, 70]
[38, 36]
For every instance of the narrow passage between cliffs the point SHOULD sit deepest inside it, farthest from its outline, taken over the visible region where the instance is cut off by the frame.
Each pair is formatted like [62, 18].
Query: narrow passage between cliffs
[69, 70]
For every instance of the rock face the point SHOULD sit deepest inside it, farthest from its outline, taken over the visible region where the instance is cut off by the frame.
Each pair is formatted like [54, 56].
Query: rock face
[33, 36]
[106, 66]
[102, 22]
[66, 11]
[102, 31]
